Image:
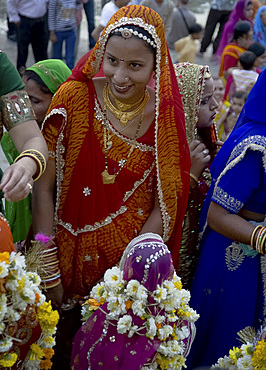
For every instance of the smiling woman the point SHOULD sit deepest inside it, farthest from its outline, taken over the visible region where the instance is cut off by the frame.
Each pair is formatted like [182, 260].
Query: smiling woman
[119, 160]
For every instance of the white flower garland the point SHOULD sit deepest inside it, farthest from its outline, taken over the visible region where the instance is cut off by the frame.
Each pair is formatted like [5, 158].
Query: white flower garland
[167, 323]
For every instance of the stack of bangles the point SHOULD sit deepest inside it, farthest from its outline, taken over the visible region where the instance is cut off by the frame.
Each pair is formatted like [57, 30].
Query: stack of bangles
[38, 158]
[50, 272]
[258, 242]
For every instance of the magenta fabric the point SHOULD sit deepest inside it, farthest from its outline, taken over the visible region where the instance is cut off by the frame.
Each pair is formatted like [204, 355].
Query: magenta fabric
[237, 14]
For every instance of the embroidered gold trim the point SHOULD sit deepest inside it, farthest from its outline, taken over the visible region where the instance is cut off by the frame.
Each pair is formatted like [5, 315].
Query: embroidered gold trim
[16, 108]
[234, 256]
[263, 273]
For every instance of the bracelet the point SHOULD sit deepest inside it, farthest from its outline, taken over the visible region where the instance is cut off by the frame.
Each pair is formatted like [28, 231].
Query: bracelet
[260, 238]
[253, 235]
[39, 159]
[52, 285]
[194, 177]
[262, 245]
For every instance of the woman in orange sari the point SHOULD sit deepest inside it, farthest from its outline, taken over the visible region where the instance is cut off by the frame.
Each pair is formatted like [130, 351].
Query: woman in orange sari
[119, 161]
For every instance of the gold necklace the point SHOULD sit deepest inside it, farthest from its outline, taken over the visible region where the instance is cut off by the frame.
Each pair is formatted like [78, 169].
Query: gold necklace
[124, 117]
[120, 105]
[107, 178]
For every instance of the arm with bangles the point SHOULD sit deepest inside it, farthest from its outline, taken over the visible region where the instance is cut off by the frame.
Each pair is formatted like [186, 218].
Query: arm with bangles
[43, 220]
[26, 136]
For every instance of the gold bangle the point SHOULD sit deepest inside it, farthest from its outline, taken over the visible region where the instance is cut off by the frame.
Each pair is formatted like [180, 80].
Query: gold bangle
[39, 159]
[48, 286]
[194, 177]
[253, 235]
[258, 239]
[262, 243]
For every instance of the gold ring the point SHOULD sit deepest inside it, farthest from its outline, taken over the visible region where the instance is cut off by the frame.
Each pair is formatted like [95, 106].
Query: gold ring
[30, 186]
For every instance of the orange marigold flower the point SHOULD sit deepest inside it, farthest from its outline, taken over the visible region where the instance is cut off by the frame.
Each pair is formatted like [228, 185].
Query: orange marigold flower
[48, 353]
[93, 304]
[158, 326]
[4, 257]
[128, 304]
[37, 297]
[46, 364]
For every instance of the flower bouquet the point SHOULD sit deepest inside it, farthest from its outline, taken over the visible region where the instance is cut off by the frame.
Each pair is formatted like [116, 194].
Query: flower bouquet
[163, 315]
[27, 322]
[250, 355]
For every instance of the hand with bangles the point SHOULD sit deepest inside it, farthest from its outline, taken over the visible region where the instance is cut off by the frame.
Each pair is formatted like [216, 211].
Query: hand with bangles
[199, 156]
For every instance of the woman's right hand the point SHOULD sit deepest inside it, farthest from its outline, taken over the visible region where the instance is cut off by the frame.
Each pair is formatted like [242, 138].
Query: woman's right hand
[199, 156]
[55, 295]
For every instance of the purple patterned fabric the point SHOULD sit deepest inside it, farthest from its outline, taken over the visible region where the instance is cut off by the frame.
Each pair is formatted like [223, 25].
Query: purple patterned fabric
[97, 344]
[237, 14]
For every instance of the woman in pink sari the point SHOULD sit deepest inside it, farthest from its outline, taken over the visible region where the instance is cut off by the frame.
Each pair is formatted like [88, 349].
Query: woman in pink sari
[242, 11]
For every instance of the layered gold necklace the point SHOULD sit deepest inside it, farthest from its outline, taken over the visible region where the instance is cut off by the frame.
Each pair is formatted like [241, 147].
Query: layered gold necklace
[107, 178]
[120, 112]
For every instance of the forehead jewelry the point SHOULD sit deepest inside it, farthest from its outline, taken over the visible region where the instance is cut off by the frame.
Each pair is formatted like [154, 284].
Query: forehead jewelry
[122, 60]
[126, 33]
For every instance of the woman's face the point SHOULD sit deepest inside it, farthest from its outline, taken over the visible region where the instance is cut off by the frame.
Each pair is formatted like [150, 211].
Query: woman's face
[40, 101]
[208, 106]
[249, 11]
[259, 61]
[218, 90]
[128, 66]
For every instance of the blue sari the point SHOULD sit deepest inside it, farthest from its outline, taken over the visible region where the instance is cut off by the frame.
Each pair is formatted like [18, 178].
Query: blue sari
[229, 287]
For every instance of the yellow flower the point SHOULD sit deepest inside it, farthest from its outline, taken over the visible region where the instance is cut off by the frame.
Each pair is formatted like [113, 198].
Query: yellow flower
[21, 283]
[163, 362]
[93, 304]
[178, 285]
[47, 317]
[235, 354]
[8, 359]
[36, 352]
[4, 257]
[259, 356]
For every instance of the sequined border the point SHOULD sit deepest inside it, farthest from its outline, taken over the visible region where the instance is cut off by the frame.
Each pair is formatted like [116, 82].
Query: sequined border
[226, 200]
[263, 273]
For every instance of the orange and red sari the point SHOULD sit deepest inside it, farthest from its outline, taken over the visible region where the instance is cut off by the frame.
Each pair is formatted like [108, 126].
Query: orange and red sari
[230, 57]
[94, 222]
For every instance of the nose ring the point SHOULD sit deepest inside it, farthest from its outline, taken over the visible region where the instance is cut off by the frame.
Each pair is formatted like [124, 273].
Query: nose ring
[126, 79]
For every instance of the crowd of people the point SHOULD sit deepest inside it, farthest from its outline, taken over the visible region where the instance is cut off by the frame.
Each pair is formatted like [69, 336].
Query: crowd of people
[136, 184]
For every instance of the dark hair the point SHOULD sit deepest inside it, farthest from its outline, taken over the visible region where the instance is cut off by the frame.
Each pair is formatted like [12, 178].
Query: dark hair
[247, 59]
[195, 28]
[257, 48]
[241, 29]
[240, 94]
[31, 75]
[145, 33]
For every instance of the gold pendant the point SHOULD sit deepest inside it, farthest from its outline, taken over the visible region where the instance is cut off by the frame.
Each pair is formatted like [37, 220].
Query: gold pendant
[107, 178]
[109, 144]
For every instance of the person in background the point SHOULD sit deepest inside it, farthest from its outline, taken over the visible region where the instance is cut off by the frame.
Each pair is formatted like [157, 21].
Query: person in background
[242, 39]
[30, 18]
[18, 118]
[227, 120]
[41, 82]
[218, 14]
[260, 26]
[63, 27]
[243, 11]
[228, 289]
[89, 11]
[260, 52]
[218, 92]
[188, 46]
[107, 12]
[183, 19]
[165, 10]
[196, 87]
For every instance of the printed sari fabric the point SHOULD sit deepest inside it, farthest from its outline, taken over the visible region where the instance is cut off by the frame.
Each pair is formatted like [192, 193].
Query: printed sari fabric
[94, 222]
[238, 14]
[227, 290]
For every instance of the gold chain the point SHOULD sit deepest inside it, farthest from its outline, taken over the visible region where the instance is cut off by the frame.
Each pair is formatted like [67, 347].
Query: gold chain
[107, 178]
[123, 117]
[120, 105]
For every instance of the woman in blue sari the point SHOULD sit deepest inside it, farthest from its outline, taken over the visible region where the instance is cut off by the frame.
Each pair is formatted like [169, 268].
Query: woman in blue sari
[230, 280]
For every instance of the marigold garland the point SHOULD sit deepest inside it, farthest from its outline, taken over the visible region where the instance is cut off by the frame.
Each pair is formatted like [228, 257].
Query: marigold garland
[19, 288]
[251, 355]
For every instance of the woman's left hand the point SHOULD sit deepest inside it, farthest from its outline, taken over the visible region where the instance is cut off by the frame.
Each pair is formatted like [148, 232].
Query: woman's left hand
[17, 180]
